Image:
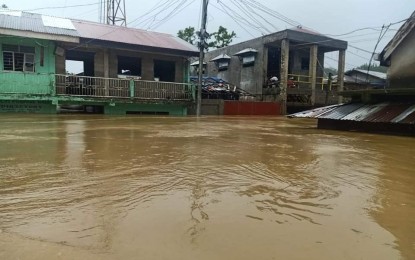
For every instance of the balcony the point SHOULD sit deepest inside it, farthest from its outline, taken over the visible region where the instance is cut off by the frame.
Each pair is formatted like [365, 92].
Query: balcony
[101, 88]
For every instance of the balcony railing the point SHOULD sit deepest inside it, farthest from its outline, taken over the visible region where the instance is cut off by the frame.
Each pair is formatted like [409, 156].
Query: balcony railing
[122, 88]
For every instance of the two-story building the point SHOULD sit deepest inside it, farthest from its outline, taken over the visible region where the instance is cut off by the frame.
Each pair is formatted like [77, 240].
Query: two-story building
[389, 109]
[294, 56]
[125, 70]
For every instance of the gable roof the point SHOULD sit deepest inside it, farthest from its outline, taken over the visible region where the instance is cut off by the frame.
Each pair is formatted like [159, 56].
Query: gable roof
[121, 34]
[24, 24]
[400, 35]
[37, 26]
[375, 74]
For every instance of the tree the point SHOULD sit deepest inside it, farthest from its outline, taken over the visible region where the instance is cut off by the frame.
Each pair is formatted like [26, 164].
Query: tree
[331, 70]
[188, 34]
[4, 6]
[221, 37]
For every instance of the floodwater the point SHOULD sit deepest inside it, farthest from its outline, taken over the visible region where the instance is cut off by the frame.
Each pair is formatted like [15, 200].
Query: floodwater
[97, 187]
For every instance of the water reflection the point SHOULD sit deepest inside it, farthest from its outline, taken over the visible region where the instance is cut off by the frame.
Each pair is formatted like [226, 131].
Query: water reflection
[215, 188]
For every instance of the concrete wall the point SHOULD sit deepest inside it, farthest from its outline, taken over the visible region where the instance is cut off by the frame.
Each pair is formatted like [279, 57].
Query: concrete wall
[210, 107]
[251, 78]
[401, 71]
[38, 82]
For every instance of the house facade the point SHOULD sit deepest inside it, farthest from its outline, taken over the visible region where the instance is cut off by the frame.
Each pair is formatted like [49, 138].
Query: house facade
[294, 56]
[389, 109]
[124, 70]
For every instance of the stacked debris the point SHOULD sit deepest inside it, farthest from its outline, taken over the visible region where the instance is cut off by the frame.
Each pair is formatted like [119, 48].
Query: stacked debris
[216, 88]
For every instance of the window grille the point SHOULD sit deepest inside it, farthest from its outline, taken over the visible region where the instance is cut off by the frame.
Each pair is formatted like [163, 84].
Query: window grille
[18, 58]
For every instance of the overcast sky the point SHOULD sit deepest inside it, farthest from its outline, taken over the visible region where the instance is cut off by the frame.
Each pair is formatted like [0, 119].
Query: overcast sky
[333, 17]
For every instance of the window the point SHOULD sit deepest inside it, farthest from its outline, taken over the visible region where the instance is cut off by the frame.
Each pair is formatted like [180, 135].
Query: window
[223, 65]
[18, 58]
[248, 60]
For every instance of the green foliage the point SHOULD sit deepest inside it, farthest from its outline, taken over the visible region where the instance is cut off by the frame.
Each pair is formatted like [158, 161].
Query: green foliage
[221, 38]
[188, 34]
[333, 71]
[218, 39]
[373, 67]
[4, 6]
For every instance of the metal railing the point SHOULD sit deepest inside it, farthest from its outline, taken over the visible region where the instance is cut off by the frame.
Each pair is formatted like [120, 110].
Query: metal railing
[122, 88]
[304, 82]
[162, 90]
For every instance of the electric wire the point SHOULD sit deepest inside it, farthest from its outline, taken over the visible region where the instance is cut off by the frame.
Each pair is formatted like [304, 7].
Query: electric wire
[59, 7]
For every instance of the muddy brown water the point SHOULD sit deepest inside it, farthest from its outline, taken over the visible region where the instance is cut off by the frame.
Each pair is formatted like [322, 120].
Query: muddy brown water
[88, 187]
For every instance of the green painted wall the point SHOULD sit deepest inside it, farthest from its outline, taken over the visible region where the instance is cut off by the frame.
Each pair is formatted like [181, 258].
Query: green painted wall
[37, 107]
[38, 82]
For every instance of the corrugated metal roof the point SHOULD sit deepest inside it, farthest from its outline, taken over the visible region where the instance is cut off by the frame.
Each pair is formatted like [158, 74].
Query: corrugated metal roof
[366, 110]
[387, 113]
[341, 111]
[314, 112]
[396, 112]
[32, 23]
[409, 119]
[376, 74]
[120, 34]
[404, 114]
[91, 30]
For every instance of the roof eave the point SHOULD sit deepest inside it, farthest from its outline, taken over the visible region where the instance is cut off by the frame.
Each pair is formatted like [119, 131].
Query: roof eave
[37, 35]
[135, 47]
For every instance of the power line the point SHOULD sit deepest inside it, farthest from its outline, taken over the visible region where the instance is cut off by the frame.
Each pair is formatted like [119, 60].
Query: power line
[59, 7]
[233, 18]
[378, 28]
[175, 12]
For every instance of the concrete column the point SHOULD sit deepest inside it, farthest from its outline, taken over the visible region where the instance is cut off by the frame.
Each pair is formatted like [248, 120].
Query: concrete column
[313, 72]
[179, 68]
[285, 52]
[340, 74]
[60, 64]
[106, 64]
[264, 68]
[106, 71]
[147, 68]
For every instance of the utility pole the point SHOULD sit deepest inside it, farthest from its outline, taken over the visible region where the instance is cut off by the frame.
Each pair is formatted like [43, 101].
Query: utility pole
[202, 36]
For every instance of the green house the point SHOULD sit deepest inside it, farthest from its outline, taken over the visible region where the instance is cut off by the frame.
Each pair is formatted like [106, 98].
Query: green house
[123, 70]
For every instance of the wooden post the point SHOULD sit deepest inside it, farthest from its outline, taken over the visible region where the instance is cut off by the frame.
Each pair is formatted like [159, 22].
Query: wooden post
[340, 75]
[313, 72]
[285, 52]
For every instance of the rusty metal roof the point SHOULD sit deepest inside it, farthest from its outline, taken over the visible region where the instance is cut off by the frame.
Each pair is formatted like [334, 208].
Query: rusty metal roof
[361, 113]
[120, 34]
[385, 112]
[341, 111]
[22, 21]
[388, 113]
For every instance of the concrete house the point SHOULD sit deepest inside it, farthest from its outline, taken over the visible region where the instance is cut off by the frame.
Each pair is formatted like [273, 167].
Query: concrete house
[390, 109]
[295, 56]
[399, 56]
[362, 79]
[125, 70]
